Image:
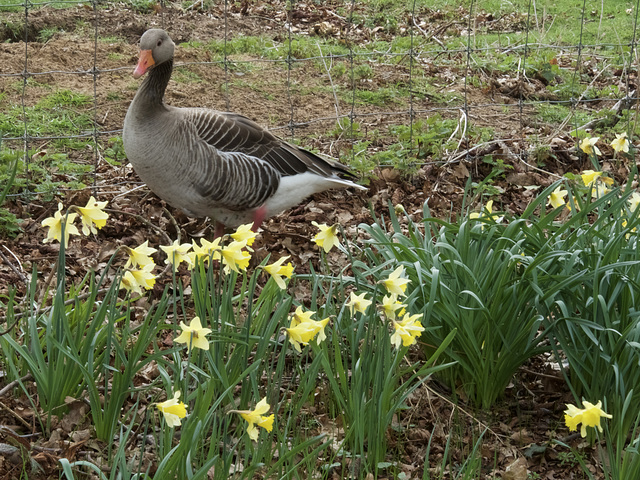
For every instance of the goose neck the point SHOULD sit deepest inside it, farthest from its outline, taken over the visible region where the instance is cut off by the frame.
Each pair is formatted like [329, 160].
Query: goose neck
[154, 86]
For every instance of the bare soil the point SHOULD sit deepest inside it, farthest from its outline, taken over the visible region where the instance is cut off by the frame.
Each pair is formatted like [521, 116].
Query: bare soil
[522, 427]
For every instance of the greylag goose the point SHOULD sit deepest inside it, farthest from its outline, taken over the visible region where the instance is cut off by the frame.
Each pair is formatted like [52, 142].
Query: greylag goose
[215, 164]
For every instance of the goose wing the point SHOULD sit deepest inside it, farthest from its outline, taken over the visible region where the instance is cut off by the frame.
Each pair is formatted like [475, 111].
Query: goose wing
[233, 133]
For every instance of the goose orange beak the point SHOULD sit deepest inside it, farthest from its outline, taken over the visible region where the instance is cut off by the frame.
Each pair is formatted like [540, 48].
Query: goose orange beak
[145, 62]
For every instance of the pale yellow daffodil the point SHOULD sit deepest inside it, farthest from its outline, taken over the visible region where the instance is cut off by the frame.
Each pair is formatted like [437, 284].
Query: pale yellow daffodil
[235, 257]
[487, 212]
[327, 237]
[588, 145]
[277, 270]
[407, 330]
[357, 303]
[194, 335]
[302, 329]
[93, 216]
[173, 410]
[140, 256]
[556, 198]
[56, 223]
[300, 316]
[591, 177]
[599, 190]
[256, 418]
[634, 201]
[395, 284]
[177, 253]
[245, 234]
[589, 417]
[389, 306]
[135, 280]
[621, 143]
[204, 252]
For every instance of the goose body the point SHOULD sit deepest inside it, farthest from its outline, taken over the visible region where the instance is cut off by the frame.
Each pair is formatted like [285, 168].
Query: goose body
[211, 163]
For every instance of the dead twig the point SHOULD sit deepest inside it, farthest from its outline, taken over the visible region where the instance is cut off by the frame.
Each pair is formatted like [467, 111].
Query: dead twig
[20, 273]
[8, 387]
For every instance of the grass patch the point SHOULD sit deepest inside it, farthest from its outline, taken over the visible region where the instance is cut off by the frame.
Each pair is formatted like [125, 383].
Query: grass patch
[61, 113]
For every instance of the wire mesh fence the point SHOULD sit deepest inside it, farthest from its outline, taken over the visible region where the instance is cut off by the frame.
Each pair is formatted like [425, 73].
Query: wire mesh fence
[380, 83]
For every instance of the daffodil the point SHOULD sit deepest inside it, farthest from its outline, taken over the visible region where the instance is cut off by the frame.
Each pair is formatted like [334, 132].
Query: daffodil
[621, 143]
[140, 256]
[591, 178]
[589, 417]
[194, 335]
[599, 191]
[556, 198]
[357, 303]
[389, 306]
[177, 253]
[173, 410]
[395, 283]
[277, 270]
[300, 316]
[588, 145]
[256, 418]
[56, 224]
[302, 329]
[135, 280]
[634, 201]
[93, 216]
[234, 257]
[487, 212]
[245, 234]
[301, 334]
[327, 237]
[204, 252]
[407, 330]
[572, 417]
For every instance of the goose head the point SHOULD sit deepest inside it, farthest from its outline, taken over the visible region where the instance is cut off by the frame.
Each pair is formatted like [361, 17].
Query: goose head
[156, 47]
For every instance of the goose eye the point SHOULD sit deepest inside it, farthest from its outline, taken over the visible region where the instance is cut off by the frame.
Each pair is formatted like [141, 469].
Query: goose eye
[159, 43]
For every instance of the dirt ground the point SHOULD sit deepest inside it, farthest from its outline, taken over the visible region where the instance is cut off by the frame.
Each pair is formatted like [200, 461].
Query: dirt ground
[522, 427]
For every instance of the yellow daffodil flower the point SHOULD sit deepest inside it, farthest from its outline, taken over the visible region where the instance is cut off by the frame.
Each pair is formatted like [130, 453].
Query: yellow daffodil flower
[407, 330]
[234, 257]
[621, 143]
[257, 419]
[194, 335]
[357, 303]
[487, 212]
[589, 417]
[599, 191]
[173, 410]
[634, 201]
[176, 253]
[277, 270]
[389, 306]
[301, 334]
[55, 226]
[133, 280]
[300, 316]
[93, 216]
[588, 145]
[140, 256]
[303, 329]
[572, 417]
[395, 284]
[327, 237]
[204, 252]
[589, 177]
[245, 234]
[556, 198]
